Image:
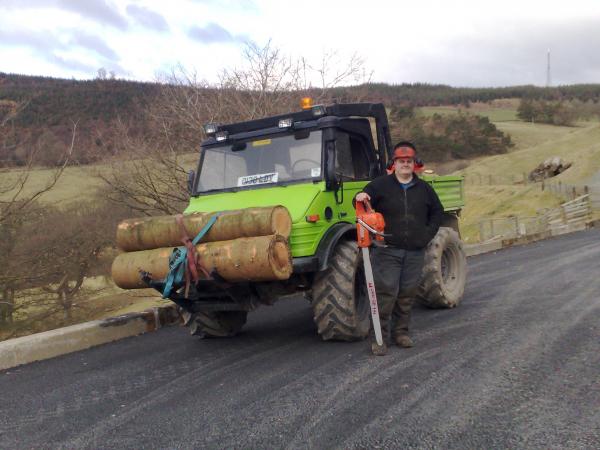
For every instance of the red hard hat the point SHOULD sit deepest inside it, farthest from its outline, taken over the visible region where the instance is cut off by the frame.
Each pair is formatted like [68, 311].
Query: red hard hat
[404, 152]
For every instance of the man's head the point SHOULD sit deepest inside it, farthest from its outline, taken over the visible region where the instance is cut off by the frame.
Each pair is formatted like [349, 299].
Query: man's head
[404, 158]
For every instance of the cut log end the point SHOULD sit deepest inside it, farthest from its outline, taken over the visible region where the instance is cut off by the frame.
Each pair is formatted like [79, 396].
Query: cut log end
[281, 221]
[281, 258]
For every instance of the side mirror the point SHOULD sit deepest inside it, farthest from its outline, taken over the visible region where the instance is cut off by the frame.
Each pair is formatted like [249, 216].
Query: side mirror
[190, 182]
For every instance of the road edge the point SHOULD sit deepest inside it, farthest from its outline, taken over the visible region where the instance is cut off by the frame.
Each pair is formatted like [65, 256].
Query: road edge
[61, 341]
[49, 344]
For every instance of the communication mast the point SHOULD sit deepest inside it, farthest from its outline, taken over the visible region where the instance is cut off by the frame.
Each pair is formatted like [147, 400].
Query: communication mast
[548, 79]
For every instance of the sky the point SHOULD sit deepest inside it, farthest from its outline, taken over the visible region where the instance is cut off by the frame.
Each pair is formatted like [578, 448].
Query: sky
[459, 42]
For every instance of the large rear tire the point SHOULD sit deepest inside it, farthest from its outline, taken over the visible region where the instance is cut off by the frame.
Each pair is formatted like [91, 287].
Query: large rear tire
[217, 323]
[444, 271]
[339, 298]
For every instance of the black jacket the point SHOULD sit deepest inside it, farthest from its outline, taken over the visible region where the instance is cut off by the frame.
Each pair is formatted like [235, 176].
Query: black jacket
[412, 216]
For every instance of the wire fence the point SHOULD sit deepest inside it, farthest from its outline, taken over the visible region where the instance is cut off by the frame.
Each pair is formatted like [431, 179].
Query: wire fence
[477, 179]
[567, 191]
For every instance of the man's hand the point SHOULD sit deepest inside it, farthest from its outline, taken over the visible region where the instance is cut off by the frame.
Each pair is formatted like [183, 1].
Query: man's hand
[362, 196]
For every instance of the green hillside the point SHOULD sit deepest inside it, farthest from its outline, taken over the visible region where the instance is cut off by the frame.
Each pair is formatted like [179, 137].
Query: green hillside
[495, 184]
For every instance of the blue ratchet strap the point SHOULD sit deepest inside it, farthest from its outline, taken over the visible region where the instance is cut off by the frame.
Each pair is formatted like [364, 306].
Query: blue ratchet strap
[178, 260]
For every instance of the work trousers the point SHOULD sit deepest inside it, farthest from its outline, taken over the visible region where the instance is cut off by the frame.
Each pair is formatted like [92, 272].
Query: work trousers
[396, 273]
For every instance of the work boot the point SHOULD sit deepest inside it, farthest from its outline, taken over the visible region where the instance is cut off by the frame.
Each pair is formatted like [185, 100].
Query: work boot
[404, 341]
[378, 350]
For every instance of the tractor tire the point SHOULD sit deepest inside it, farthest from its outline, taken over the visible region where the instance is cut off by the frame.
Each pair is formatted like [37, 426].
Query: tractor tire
[217, 323]
[339, 298]
[444, 271]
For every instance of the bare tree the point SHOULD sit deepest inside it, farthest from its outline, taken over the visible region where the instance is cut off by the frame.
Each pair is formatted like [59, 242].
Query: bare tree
[18, 206]
[149, 174]
[14, 197]
[53, 250]
[333, 72]
[146, 176]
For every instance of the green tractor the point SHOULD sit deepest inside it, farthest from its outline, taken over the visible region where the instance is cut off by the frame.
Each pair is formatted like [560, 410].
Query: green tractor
[313, 162]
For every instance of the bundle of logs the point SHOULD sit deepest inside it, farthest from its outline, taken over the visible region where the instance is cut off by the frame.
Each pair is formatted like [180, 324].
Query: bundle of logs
[243, 245]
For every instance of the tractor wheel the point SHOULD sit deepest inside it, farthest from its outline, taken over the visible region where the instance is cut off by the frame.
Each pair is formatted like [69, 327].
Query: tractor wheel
[444, 271]
[339, 298]
[217, 323]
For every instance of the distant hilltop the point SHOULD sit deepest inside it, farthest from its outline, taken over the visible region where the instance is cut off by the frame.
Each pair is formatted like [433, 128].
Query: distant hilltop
[39, 112]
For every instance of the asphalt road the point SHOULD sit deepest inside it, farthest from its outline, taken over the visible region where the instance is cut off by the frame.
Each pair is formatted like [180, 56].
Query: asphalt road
[517, 365]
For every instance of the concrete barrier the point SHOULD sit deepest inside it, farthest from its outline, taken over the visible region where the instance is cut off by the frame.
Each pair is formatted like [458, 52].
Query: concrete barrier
[49, 344]
[486, 247]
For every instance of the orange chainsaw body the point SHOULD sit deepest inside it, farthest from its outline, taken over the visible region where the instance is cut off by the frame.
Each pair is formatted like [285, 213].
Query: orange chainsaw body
[373, 219]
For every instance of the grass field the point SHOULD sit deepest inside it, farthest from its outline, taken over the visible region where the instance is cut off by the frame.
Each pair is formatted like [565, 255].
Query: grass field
[78, 183]
[497, 110]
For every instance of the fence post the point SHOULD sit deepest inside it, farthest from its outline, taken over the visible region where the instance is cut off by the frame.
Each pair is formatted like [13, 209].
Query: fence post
[543, 185]
[481, 231]
[586, 189]
[492, 227]
[516, 226]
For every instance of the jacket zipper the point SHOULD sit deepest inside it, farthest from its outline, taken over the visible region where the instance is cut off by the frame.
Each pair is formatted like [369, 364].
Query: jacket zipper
[405, 217]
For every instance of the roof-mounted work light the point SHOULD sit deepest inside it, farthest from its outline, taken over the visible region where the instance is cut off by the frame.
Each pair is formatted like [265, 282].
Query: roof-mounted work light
[211, 128]
[221, 136]
[286, 123]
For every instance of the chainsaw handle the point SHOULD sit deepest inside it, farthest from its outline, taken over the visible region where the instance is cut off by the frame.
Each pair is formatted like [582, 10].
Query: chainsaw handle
[364, 206]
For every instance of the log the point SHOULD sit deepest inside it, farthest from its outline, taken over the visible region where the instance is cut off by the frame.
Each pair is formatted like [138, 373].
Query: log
[163, 231]
[259, 258]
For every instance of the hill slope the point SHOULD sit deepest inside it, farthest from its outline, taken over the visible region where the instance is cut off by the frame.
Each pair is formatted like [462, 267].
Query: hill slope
[494, 185]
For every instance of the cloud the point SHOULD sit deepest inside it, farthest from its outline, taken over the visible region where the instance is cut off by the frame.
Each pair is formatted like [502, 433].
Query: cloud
[214, 33]
[70, 64]
[94, 43]
[38, 41]
[147, 18]
[100, 11]
[245, 5]
[50, 47]
[97, 10]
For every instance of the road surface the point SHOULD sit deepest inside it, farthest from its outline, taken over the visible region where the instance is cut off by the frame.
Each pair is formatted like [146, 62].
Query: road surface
[517, 365]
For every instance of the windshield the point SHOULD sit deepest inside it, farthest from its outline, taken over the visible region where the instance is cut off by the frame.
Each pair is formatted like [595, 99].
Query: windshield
[261, 161]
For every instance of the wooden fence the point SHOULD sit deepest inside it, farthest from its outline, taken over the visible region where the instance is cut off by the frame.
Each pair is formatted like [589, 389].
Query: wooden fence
[569, 191]
[572, 214]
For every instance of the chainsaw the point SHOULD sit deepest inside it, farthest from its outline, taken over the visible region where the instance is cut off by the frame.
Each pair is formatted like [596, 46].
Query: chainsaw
[369, 222]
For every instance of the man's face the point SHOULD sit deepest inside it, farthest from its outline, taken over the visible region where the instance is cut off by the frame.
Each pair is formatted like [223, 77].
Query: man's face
[404, 166]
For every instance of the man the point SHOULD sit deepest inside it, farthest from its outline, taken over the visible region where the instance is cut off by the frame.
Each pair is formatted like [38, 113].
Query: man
[412, 213]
